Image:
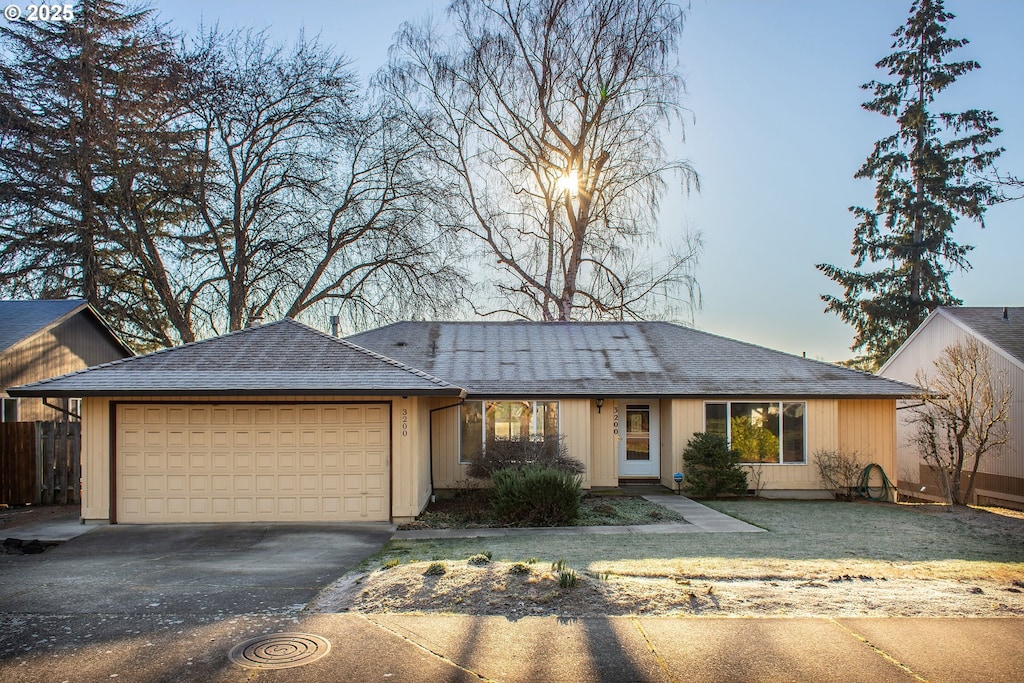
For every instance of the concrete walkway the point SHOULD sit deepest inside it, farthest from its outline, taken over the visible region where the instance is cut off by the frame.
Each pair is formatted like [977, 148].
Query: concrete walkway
[699, 519]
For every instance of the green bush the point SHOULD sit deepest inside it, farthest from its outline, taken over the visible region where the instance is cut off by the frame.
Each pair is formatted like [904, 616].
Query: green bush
[567, 578]
[711, 467]
[435, 569]
[536, 496]
[519, 453]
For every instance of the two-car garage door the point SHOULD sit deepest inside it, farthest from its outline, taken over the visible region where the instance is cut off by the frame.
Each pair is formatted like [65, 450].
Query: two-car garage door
[252, 462]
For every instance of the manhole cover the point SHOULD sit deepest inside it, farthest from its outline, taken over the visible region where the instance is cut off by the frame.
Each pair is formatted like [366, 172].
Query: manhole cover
[279, 651]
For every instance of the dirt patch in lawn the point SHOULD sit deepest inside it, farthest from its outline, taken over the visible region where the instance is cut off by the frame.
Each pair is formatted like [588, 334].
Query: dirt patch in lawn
[505, 588]
[709, 586]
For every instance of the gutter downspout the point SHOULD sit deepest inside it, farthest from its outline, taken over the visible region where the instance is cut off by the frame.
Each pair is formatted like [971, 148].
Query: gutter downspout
[430, 435]
[61, 409]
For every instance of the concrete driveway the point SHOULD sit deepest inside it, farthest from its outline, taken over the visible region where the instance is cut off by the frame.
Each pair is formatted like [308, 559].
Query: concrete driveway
[95, 604]
[198, 569]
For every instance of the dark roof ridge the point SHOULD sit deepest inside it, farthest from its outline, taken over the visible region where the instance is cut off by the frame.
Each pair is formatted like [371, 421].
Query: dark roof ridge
[372, 354]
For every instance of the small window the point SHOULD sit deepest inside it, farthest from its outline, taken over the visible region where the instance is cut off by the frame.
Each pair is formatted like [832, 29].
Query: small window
[763, 432]
[10, 410]
[75, 408]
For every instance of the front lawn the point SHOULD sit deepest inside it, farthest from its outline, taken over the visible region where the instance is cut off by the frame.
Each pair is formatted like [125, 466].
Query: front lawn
[889, 539]
[818, 558]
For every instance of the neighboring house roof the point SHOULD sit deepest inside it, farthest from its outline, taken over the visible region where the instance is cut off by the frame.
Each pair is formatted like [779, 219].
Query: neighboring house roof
[1004, 335]
[493, 359]
[23, 319]
[280, 358]
[988, 322]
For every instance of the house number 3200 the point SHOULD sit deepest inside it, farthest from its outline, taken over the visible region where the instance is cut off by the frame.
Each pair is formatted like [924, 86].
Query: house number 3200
[405, 422]
[615, 421]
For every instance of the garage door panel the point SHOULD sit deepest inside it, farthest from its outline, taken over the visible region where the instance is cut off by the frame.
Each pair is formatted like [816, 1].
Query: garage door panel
[180, 463]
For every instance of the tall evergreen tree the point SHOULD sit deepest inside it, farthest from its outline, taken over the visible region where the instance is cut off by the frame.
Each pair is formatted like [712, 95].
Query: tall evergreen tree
[93, 163]
[928, 175]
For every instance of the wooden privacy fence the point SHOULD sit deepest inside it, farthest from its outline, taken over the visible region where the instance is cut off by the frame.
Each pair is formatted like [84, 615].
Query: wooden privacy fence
[40, 462]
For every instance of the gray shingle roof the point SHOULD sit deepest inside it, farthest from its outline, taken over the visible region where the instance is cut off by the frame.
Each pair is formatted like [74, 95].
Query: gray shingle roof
[280, 358]
[19, 319]
[988, 322]
[613, 359]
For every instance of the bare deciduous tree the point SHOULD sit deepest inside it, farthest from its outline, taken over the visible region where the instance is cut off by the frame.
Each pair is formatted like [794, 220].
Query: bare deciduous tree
[310, 192]
[548, 117]
[963, 417]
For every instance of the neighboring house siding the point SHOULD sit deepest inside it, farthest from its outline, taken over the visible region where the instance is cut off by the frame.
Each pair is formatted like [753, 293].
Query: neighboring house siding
[410, 483]
[75, 344]
[1001, 476]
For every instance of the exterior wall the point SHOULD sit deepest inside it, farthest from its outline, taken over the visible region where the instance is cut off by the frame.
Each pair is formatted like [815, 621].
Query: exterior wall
[410, 474]
[445, 442]
[865, 426]
[574, 424]
[75, 344]
[96, 443]
[1001, 475]
[574, 418]
[604, 445]
[869, 428]
[410, 469]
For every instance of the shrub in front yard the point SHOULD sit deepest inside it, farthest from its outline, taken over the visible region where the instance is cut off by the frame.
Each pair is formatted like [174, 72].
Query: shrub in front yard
[712, 468]
[518, 453]
[840, 472]
[536, 496]
[435, 569]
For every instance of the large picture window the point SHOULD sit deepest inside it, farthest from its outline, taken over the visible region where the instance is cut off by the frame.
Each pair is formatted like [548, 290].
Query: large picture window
[764, 432]
[484, 422]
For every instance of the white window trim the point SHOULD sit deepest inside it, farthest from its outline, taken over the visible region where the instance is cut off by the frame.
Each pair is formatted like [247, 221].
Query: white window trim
[483, 430]
[728, 426]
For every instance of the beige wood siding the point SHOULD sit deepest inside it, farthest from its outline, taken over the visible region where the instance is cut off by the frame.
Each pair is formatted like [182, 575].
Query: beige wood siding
[868, 428]
[604, 445]
[1006, 468]
[409, 452]
[410, 470]
[96, 443]
[574, 425]
[445, 444]
[668, 449]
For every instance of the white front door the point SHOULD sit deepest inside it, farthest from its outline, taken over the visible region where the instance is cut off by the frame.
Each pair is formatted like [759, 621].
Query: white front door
[639, 438]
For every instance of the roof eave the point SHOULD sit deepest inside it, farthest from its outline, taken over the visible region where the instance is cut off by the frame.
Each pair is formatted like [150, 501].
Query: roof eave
[42, 392]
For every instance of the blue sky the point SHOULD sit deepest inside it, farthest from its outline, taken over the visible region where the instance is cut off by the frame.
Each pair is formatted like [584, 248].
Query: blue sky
[776, 135]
